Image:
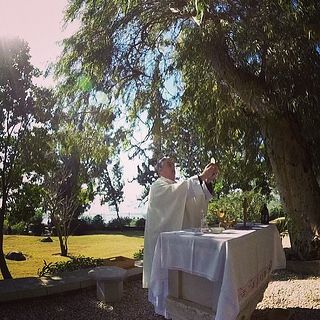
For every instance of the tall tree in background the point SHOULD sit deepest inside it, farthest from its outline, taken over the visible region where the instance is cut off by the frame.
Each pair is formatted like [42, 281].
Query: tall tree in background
[261, 62]
[89, 117]
[24, 116]
[111, 186]
[61, 207]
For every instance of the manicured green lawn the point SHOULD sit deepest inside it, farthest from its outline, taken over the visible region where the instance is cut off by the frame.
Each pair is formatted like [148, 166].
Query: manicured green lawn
[96, 246]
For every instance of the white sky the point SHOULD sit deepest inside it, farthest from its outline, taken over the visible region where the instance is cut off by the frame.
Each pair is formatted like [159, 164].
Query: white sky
[40, 23]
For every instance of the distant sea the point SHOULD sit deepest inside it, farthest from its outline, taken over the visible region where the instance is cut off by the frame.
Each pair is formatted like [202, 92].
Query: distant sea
[112, 215]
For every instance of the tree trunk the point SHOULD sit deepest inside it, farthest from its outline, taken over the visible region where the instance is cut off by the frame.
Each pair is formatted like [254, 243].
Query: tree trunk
[63, 247]
[3, 264]
[297, 184]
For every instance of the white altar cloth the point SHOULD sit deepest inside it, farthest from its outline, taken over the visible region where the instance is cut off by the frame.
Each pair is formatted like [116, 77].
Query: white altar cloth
[237, 260]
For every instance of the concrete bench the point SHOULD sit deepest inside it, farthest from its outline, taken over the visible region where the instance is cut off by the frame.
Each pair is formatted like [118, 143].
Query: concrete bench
[109, 282]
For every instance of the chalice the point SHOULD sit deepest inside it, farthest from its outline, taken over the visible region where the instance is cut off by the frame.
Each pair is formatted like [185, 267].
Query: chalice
[220, 215]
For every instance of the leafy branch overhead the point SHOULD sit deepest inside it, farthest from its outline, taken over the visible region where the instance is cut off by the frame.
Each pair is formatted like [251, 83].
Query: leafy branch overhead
[238, 80]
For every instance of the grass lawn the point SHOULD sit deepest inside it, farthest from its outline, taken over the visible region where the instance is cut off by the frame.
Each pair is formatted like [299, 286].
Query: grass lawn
[96, 246]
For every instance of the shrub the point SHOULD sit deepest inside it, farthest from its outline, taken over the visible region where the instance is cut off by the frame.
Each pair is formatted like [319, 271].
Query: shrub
[140, 223]
[36, 229]
[82, 226]
[75, 263]
[119, 223]
[18, 228]
[139, 254]
[276, 211]
[232, 206]
[98, 222]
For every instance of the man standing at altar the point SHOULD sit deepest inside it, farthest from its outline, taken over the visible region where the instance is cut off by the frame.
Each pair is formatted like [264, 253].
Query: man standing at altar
[174, 206]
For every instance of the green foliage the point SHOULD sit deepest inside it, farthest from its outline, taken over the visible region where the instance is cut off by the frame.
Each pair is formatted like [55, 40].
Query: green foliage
[140, 222]
[76, 263]
[36, 227]
[213, 79]
[19, 228]
[25, 207]
[25, 114]
[139, 254]
[61, 202]
[82, 226]
[111, 185]
[98, 222]
[232, 206]
[276, 209]
[203, 119]
[120, 222]
[37, 217]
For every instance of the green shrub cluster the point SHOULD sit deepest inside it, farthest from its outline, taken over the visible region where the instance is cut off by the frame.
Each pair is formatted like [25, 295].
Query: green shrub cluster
[139, 254]
[139, 222]
[18, 228]
[232, 206]
[119, 223]
[75, 263]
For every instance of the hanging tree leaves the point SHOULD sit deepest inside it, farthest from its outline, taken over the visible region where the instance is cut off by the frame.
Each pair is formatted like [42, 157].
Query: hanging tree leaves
[246, 73]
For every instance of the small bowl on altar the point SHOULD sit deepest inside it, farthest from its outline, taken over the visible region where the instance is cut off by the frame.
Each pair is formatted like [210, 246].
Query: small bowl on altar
[216, 230]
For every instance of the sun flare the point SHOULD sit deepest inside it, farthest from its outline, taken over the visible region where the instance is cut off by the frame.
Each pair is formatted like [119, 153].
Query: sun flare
[39, 22]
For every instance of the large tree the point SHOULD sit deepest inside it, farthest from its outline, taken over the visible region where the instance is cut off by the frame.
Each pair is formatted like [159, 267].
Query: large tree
[61, 206]
[24, 140]
[111, 186]
[261, 62]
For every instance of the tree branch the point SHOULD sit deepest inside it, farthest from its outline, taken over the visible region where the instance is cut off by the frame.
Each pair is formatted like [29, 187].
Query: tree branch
[253, 91]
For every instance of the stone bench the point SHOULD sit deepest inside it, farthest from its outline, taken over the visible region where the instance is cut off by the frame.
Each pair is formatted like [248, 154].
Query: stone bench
[109, 282]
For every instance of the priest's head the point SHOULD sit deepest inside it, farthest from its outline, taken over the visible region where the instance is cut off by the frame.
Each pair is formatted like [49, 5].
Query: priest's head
[166, 168]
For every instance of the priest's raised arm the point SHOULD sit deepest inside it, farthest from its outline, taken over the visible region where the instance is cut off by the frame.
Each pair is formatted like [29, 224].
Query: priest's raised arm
[174, 206]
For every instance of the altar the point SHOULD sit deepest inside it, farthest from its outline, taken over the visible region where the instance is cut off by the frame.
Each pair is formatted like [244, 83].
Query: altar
[213, 276]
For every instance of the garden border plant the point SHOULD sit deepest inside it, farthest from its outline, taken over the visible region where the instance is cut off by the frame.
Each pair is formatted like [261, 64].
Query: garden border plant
[76, 263]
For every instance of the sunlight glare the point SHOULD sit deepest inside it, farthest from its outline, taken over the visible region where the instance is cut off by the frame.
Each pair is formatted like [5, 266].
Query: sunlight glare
[39, 22]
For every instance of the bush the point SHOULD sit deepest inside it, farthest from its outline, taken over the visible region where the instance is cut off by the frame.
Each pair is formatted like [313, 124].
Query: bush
[75, 263]
[36, 227]
[18, 228]
[139, 254]
[276, 211]
[140, 223]
[232, 206]
[82, 226]
[98, 222]
[119, 223]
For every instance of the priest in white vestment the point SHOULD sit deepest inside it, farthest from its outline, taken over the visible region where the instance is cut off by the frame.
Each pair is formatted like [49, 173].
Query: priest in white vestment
[174, 206]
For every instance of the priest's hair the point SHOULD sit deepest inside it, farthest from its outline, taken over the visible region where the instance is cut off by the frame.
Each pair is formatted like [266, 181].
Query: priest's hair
[160, 163]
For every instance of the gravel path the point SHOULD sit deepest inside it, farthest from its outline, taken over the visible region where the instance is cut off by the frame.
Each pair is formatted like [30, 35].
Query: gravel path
[298, 294]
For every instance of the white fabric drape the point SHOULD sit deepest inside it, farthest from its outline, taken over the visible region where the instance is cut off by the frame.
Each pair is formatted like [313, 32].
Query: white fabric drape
[238, 262]
[171, 206]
